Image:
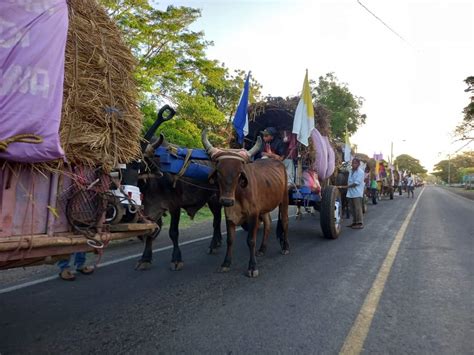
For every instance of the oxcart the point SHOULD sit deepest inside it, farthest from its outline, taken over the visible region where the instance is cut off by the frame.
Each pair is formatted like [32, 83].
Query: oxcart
[46, 216]
[68, 116]
[304, 192]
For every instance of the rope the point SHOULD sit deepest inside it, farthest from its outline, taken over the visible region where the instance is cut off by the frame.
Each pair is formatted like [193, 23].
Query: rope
[187, 161]
[20, 138]
[198, 186]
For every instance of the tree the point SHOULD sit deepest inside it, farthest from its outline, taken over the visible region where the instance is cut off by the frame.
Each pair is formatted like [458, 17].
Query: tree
[408, 163]
[172, 67]
[455, 168]
[343, 106]
[465, 130]
[169, 55]
[227, 89]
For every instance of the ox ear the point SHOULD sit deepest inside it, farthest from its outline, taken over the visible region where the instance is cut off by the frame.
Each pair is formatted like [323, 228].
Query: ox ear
[243, 181]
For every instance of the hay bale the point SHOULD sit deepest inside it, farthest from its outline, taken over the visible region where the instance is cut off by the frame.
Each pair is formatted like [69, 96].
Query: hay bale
[101, 122]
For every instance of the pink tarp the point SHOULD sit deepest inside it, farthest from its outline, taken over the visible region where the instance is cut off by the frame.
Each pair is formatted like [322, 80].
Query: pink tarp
[325, 157]
[32, 43]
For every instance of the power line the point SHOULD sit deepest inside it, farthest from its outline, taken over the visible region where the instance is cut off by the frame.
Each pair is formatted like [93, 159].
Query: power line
[465, 145]
[386, 25]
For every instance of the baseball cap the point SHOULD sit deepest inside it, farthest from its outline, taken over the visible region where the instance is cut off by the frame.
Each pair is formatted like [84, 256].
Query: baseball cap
[270, 131]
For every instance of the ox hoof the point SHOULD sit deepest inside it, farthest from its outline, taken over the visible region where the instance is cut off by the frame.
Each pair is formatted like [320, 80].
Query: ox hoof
[260, 253]
[252, 273]
[143, 265]
[224, 269]
[285, 252]
[176, 266]
[212, 251]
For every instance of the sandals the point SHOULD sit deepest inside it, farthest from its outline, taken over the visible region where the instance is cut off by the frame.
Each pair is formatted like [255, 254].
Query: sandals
[86, 270]
[67, 275]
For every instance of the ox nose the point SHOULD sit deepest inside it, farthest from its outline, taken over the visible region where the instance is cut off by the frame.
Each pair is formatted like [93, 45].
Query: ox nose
[227, 202]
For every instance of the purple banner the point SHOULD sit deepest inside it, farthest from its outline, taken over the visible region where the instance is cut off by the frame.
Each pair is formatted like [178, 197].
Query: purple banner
[32, 42]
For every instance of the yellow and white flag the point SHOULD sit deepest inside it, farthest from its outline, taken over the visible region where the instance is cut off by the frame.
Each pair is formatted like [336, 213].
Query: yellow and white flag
[303, 123]
[347, 148]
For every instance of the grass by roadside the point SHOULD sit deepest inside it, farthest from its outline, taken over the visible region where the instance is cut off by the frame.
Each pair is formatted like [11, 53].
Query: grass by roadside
[204, 214]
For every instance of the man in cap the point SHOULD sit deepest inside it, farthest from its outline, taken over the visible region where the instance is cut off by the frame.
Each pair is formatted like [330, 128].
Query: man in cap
[273, 147]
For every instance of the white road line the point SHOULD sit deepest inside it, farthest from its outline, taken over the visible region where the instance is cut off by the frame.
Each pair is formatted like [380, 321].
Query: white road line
[112, 262]
[355, 340]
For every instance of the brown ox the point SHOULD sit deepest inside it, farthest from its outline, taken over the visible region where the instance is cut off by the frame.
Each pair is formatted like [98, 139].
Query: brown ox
[247, 191]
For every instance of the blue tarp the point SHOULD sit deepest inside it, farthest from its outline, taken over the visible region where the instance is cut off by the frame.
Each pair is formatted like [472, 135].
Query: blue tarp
[171, 163]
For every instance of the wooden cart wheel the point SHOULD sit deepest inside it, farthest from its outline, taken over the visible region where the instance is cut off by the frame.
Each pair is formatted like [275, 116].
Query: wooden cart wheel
[331, 212]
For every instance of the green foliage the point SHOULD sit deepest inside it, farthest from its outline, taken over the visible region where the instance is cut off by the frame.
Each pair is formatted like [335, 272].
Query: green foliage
[173, 67]
[227, 89]
[169, 54]
[408, 163]
[465, 130]
[344, 107]
[177, 131]
[456, 167]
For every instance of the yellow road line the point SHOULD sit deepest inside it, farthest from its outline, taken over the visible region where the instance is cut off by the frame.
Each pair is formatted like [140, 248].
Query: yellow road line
[355, 339]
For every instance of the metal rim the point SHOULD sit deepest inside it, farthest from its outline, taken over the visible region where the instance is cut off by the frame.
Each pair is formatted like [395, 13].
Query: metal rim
[113, 209]
[337, 213]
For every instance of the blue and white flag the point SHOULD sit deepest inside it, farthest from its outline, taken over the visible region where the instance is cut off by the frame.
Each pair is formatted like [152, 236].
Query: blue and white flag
[241, 120]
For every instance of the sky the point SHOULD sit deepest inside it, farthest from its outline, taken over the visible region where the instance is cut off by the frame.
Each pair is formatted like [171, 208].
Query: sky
[413, 88]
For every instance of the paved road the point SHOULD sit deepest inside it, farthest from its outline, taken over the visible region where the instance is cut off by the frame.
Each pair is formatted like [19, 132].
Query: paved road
[306, 302]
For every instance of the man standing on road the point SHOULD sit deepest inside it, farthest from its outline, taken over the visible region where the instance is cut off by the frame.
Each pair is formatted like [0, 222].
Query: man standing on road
[355, 193]
[400, 183]
[410, 186]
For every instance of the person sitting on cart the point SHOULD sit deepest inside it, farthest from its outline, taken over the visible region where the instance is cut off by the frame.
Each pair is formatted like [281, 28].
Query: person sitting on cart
[273, 147]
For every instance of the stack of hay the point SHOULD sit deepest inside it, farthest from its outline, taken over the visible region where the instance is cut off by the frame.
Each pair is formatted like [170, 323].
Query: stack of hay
[101, 122]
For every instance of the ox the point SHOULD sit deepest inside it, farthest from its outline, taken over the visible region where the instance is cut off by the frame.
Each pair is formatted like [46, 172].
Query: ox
[163, 194]
[248, 191]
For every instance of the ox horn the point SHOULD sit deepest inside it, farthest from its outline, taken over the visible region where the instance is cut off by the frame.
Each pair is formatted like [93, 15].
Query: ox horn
[158, 142]
[205, 142]
[149, 151]
[256, 148]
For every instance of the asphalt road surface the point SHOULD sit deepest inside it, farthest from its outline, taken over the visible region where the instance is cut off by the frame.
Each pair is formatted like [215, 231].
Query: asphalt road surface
[404, 284]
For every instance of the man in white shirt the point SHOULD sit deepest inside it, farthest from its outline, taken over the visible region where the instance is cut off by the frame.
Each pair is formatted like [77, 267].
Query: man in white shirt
[355, 193]
[410, 186]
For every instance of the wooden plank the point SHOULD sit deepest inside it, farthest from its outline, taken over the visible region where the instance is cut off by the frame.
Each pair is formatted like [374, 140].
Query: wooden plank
[123, 227]
[11, 248]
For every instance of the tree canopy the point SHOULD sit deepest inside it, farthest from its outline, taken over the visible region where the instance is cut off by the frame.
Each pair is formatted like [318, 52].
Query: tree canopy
[456, 167]
[465, 130]
[172, 67]
[408, 163]
[343, 106]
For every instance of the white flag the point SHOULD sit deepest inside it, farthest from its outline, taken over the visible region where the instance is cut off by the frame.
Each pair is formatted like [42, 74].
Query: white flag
[303, 123]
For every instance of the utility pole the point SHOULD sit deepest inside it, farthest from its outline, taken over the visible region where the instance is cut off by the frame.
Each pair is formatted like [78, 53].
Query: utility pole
[449, 169]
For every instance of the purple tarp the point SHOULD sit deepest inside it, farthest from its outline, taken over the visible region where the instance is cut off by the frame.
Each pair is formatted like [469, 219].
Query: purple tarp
[32, 42]
[324, 163]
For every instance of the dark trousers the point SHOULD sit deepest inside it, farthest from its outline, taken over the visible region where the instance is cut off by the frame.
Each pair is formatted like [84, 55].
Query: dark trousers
[356, 209]
[373, 194]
